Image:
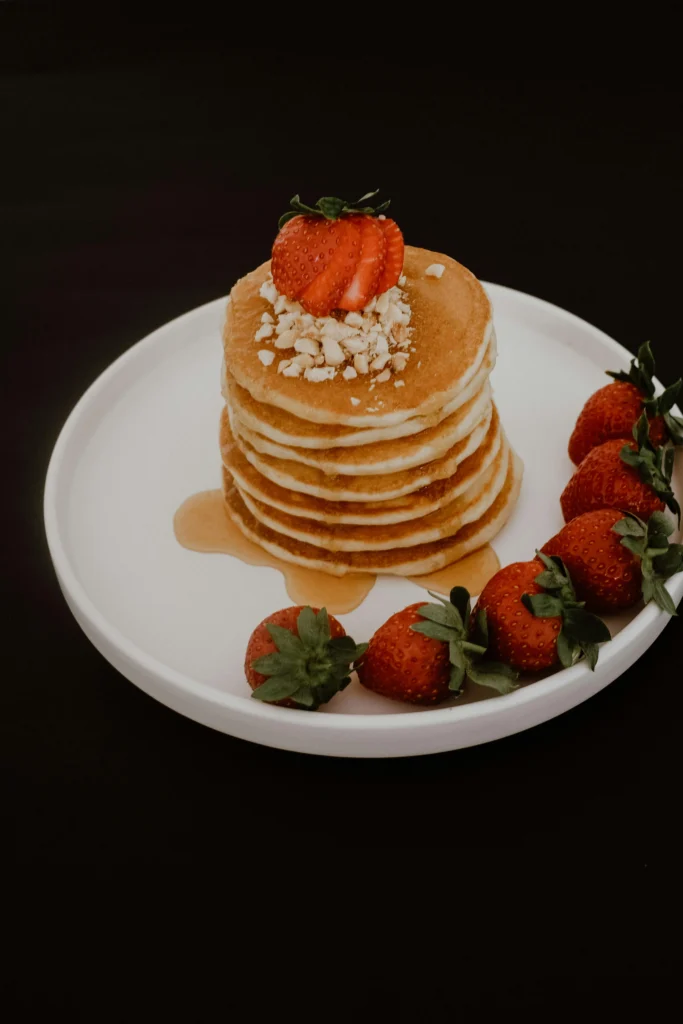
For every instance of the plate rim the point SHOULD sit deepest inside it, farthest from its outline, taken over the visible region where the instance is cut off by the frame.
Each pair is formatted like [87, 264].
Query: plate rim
[646, 619]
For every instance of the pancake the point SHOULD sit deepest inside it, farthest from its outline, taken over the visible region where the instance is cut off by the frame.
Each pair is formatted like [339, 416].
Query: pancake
[283, 428]
[418, 560]
[380, 513]
[445, 522]
[383, 456]
[451, 324]
[381, 487]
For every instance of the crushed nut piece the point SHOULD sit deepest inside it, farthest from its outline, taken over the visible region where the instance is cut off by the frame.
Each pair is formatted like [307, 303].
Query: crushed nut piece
[362, 340]
[355, 401]
[434, 270]
[293, 370]
[264, 331]
[307, 345]
[399, 383]
[319, 373]
[383, 376]
[266, 356]
[286, 339]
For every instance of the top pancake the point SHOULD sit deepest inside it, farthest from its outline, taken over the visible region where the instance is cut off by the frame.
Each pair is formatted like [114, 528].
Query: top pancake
[451, 321]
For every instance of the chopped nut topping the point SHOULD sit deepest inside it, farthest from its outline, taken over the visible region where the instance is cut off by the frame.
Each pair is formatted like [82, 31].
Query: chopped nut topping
[384, 376]
[355, 401]
[293, 370]
[287, 339]
[399, 383]
[375, 338]
[265, 331]
[434, 270]
[266, 356]
[319, 373]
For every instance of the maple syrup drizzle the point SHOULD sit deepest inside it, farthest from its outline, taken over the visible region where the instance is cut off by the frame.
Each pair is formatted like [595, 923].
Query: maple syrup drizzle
[202, 524]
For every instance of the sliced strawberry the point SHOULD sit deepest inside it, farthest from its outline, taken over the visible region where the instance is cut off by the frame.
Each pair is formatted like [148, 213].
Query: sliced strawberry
[393, 259]
[322, 295]
[302, 250]
[370, 266]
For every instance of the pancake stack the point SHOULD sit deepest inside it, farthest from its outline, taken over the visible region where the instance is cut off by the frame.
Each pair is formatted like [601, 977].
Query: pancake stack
[401, 469]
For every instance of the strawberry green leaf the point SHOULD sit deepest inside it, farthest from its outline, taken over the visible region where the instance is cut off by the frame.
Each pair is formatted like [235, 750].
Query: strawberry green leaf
[368, 195]
[637, 547]
[663, 598]
[669, 562]
[274, 664]
[591, 652]
[648, 588]
[668, 398]
[630, 526]
[480, 631]
[307, 626]
[435, 631]
[304, 697]
[276, 688]
[646, 359]
[332, 208]
[285, 641]
[456, 679]
[445, 615]
[674, 424]
[543, 606]
[585, 627]
[568, 651]
[494, 674]
[659, 523]
[641, 371]
[470, 648]
[324, 624]
[460, 599]
[549, 579]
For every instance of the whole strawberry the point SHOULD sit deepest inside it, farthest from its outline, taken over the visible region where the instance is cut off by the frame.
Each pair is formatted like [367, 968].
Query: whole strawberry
[614, 559]
[535, 621]
[613, 411]
[300, 657]
[635, 477]
[336, 255]
[422, 653]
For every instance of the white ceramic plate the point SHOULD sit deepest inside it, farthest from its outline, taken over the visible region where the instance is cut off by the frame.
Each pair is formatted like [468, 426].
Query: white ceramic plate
[176, 623]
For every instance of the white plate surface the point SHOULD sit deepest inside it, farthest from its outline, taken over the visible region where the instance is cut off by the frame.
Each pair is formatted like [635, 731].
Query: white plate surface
[176, 623]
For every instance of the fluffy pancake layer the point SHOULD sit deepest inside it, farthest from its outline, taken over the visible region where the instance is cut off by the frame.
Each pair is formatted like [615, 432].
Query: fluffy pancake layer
[452, 328]
[415, 561]
[403, 480]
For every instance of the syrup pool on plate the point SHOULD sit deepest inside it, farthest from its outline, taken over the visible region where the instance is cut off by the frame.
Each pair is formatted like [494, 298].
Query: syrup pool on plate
[202, 524]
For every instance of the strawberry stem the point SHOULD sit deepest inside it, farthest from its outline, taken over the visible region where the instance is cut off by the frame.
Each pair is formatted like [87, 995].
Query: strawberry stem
[581, 630]
[451, 622]
[332, 208]
[640, 373]
[654, 464]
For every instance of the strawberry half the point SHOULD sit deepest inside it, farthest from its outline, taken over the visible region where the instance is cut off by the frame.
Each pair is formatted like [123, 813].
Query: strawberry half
[302, 250]
[370, 265]
[393, 257]
[336, 255]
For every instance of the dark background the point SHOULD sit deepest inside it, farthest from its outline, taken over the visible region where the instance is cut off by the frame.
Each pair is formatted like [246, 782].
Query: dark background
[142, 173]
